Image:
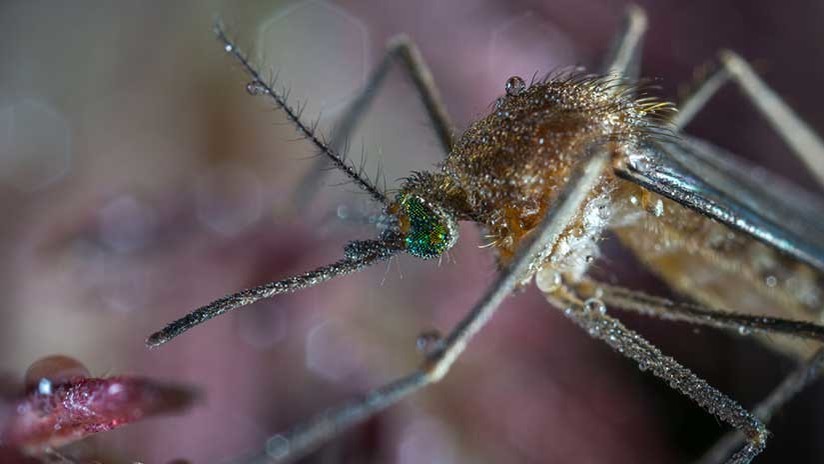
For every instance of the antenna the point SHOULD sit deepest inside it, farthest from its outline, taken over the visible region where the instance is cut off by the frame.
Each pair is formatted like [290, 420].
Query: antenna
[258, 86]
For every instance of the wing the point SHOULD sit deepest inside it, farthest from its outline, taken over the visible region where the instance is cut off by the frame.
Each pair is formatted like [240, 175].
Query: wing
[717, 184]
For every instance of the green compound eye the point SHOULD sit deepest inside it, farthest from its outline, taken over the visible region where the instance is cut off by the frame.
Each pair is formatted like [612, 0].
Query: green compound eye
[429, 233]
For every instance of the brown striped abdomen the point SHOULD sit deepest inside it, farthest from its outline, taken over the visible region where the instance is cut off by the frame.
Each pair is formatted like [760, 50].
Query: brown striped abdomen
[708, 262]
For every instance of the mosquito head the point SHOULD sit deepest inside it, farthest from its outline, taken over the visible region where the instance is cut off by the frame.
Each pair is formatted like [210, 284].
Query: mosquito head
[427, 229]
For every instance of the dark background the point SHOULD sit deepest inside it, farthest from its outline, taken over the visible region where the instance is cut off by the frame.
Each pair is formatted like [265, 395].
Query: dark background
[138, 180]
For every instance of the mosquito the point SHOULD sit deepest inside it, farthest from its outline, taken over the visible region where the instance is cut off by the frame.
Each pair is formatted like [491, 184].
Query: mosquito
[555, 165]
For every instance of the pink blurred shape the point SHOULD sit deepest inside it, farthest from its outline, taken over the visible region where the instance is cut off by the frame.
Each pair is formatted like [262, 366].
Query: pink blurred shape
[55, 414]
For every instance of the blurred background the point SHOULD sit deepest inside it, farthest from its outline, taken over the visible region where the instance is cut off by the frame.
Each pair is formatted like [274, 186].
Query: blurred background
[139, 180]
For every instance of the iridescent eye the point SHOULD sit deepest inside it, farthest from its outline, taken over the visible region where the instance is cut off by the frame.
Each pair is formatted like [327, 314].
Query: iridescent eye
[430, 232]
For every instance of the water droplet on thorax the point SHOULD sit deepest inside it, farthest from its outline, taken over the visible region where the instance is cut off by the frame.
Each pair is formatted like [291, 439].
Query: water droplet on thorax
[429, 341]
[514, 86]
[255, 88]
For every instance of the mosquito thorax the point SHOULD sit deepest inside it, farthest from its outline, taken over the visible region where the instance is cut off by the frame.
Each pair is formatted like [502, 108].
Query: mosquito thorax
[508, 167]
[426, 228]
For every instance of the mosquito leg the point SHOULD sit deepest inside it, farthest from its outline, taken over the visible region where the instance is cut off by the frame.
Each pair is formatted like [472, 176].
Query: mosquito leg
[701, 93]
[795, 132]
[800, 378]
[305, 437]
[400, 48]
[804, 375]
[624, 57]
[632, 300]
[591, 316]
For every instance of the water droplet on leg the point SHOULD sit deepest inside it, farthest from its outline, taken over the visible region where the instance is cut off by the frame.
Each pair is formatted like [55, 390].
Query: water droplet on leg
[429, 341]
[548, 280]
[277, 447]
[595, 305]
[643, 366]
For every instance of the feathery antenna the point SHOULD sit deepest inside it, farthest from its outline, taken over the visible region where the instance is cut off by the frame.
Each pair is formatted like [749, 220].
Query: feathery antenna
[309, 131]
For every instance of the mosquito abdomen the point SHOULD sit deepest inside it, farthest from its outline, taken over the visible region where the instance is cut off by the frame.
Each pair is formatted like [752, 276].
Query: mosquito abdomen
[716, 266]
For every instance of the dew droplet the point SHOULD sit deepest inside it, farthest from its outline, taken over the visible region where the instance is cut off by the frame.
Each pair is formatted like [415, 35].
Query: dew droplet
[643, 366]
[589, 258]
[595, 305]
[658, 208]
[44, 386]
[277, 447]
[548, 280]
[744, 330]
[429, 341]
[638, 162]
[54, 370]
[228, 48]
[771, 281]
[514, 86]
[255, 88]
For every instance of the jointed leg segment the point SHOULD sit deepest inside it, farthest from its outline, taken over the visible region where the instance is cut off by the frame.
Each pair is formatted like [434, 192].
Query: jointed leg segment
[639, 302]
[803, 376]
[593, 318]
[624, 57]
[799, 379]
[795, 132]
[402, 49]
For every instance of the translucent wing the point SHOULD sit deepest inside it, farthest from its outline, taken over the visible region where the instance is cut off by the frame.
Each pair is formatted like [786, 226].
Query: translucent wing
[717, 184]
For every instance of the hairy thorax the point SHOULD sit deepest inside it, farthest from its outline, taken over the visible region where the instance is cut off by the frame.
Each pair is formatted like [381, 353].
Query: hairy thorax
[507, 169]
